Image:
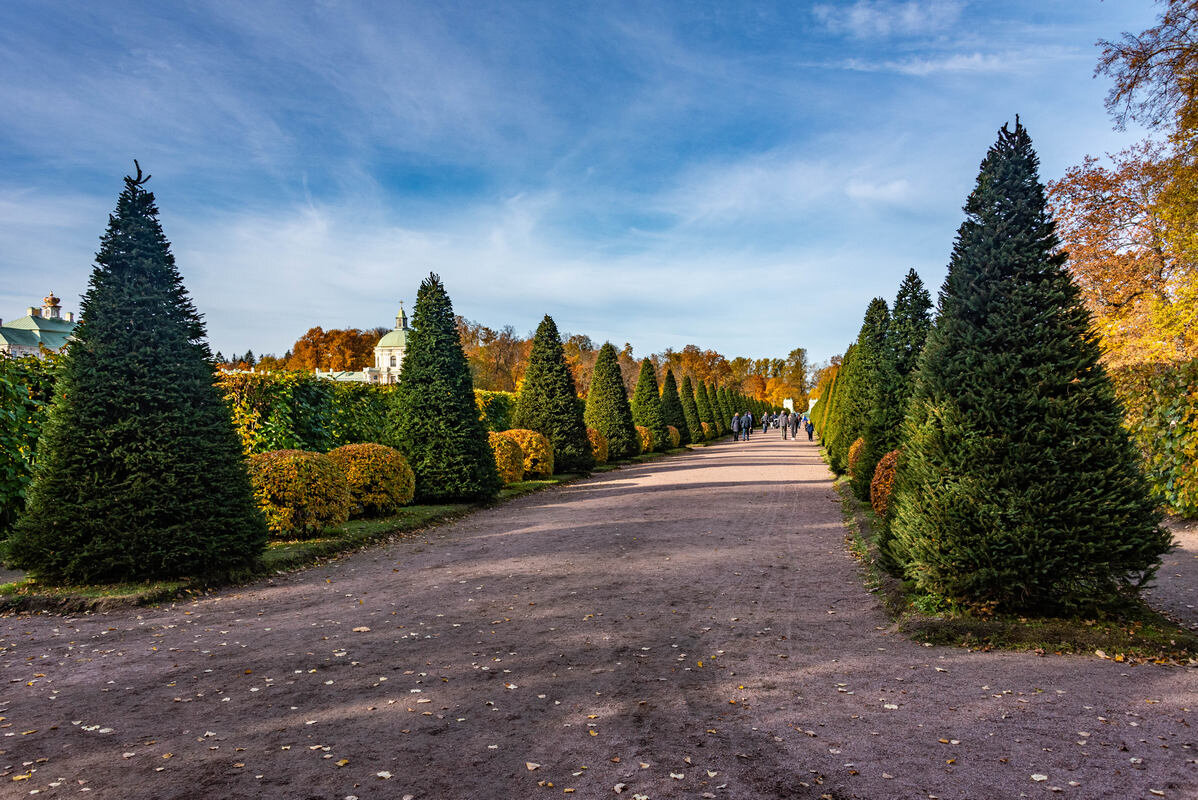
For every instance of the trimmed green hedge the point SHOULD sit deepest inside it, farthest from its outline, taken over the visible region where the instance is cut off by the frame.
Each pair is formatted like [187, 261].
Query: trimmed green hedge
[1161, 412]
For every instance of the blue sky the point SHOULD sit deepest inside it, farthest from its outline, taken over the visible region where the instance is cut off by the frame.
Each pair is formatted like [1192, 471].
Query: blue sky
[741, 176]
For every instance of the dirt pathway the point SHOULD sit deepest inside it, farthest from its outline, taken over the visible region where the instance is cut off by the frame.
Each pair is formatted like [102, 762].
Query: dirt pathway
[687, 628]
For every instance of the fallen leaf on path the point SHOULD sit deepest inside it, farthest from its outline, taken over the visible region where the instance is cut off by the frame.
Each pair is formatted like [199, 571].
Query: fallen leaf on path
[1038, 777]
[531, 765]
[677, 775]
[384, 774]
[361, 629]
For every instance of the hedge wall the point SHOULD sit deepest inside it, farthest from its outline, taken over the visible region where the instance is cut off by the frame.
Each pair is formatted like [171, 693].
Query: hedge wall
[26, 386]
[1161, 412]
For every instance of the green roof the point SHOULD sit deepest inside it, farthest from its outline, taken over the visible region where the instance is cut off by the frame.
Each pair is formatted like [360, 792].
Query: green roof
[32, 331]
[396, 338]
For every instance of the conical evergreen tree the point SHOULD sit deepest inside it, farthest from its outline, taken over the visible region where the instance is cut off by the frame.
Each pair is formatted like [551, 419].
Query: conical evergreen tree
[909, 326]
[671, 407]
[433, 418]
[703, 406]
[140, 473]
[646, 406]
[722, 421]
[607, 409]
[548, 402]
[725, 402]
[872, 388]
[1018, 487]
[690, 410]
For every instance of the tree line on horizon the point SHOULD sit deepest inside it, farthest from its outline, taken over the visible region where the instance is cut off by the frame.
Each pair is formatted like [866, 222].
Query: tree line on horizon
[498, 360]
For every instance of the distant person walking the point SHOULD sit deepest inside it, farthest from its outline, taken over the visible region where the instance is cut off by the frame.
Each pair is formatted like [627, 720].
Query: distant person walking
[785, 424]
[794, 427]
[810, 430]
[746, 422]
[736, 428]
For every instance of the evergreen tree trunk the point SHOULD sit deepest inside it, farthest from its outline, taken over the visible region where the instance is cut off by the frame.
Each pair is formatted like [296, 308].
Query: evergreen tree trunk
[434, 420]
[140, 474]
[1018, 487]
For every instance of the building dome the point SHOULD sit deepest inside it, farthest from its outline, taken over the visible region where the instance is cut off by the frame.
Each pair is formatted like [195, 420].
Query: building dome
[395, 338]
[51, 301]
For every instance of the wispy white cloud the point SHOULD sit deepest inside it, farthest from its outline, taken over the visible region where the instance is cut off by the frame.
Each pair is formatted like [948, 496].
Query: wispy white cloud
[965, 63]
[875, 19]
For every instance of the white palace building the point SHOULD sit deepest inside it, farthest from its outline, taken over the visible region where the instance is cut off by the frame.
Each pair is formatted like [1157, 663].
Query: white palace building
[388, 357]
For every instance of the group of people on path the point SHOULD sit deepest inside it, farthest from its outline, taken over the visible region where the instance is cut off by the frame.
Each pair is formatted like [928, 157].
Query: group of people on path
[788, 421]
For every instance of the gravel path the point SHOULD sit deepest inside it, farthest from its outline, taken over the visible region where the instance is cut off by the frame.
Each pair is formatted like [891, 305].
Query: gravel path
[686, 628]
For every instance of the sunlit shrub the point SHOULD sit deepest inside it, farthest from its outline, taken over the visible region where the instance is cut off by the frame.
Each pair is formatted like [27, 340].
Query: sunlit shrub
[675, 436]
[882, 484]
[509, 458]
[598, 445]
[380, 480]
[299, 492]
[538, 453]
[646, 437]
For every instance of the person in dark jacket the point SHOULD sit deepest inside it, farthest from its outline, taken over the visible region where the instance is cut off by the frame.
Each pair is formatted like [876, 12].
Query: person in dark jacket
[810, 430]
[746, 424]
[794, 426]
[736, 427]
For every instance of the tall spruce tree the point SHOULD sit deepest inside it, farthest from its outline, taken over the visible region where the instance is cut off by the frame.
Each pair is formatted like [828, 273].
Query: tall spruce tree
[671, 407]
[910, 323]
[646, 406]
[723, 416]
[873, 384]
[433, 419]
[690, 409]
[140, 472]
[1018, 487]
[548, 402]
[607, 409]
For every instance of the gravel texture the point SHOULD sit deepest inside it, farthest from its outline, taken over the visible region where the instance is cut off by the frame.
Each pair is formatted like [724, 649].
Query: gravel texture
[686, 628]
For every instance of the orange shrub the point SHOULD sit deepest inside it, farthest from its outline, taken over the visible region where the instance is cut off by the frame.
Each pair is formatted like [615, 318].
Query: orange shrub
[379, 478]
[538, 452]
[299, 492]
[675, 436]
[646, 437]
[882, 485]
[855, 451]
[509, 458]
[708, 431]
[598, 445]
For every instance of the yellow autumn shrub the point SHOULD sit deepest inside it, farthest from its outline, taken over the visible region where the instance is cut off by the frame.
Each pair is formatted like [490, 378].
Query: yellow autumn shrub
[538, 452]
[598, 446]
[509, 458]
[300, 492]
[380, 480]
[675, 436]
[646, 437]
[882, 485]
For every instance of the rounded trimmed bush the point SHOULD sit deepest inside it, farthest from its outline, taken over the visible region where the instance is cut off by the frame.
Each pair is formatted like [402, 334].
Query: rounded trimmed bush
[675, 436]
[646, 437]
[538, 453]
[856, 449]
[882, 485]
[299, 492]
[379, 478]
[509, 458]
[708, 431]
[598, 445]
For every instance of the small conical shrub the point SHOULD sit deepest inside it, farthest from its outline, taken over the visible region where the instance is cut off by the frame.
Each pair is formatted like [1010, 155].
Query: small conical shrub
[140, 474]
[1018, 488]
[548, 402]
[646, 406]
[690, 410]
[607, 409]
[433, 417]
[671, 408]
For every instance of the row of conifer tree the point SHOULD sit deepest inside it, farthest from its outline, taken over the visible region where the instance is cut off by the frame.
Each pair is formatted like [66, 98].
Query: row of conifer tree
[140, 474]
[1015, 485]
